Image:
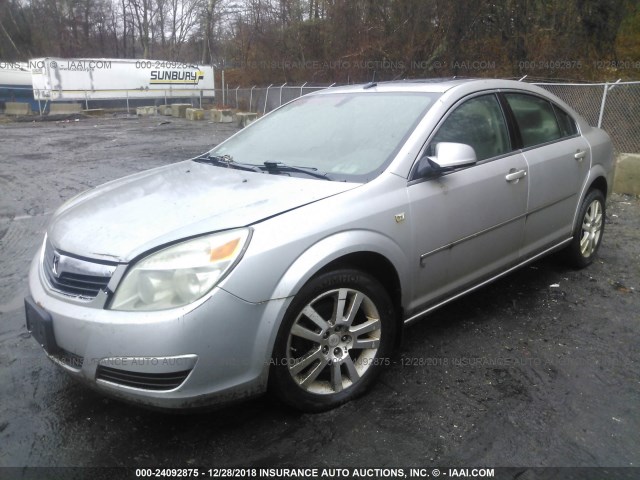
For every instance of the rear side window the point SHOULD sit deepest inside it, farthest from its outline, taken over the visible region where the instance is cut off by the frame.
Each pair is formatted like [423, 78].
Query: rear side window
[567, 125]
[535, 117]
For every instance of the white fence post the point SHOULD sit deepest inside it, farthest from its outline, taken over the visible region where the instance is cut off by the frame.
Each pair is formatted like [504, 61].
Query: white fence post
[223, 104]
[604, 100]
[602, 104]
[266, 96]
[281, 87]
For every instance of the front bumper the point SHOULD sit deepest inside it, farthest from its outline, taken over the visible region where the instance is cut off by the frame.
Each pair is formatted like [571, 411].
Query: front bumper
[215, 352]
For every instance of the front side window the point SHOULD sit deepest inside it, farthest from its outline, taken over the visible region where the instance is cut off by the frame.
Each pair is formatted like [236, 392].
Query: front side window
[478, 122]
[535, 117]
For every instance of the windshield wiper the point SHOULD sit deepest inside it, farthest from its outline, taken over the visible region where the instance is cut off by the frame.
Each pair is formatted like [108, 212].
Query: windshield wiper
[283, 167]
[270, 167]
[227, 161]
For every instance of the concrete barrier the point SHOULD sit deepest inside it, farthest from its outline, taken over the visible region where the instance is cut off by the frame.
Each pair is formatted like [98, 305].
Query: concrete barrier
[627, 178]
[145, 111]
[164, 110]
[64, 108]
[195, 114]
[180, 109]
[94, 112]
[245, 118]
[222, 116]
[17, 108]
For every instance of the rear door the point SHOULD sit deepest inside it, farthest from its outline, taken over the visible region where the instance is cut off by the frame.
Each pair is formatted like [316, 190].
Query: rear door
[559, 160]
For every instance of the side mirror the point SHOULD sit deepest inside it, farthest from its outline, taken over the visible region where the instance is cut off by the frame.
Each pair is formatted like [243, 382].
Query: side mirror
[451, 155]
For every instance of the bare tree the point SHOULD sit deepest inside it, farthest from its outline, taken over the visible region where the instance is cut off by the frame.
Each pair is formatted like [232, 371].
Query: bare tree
[144, 12]
[183, 21]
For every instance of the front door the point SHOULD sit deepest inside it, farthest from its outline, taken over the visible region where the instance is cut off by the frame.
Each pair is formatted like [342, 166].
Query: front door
[468, 224]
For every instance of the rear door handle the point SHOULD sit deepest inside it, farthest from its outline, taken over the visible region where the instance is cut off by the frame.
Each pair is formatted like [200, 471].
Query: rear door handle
[580, 154]
[515, 175]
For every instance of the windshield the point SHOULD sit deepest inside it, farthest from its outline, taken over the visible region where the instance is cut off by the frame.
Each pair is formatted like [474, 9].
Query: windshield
[350, 136]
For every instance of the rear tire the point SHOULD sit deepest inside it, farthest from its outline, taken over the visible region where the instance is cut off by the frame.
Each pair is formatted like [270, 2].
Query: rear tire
[588, 232]
[337, 334]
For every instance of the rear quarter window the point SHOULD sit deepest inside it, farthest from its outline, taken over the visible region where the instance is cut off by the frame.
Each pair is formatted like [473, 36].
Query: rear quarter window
[567, 125]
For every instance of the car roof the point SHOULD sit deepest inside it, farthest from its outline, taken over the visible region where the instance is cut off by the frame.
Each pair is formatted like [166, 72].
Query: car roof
[434, 85]
[457, 87]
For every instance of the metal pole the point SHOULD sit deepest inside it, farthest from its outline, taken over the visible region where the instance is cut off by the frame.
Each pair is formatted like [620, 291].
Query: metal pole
[302, 88]
[607, 88]
[127, 102]
[251, 97]
[266, 96]
[237, 97]
[604, 101]
[223, 103]
[86, 101]
[281, 87]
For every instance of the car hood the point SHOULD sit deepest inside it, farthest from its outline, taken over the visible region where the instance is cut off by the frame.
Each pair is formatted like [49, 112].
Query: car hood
[122, 219]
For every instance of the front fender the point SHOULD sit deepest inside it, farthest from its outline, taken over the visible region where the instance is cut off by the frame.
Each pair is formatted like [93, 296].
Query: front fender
[308, 264]
[337, 246]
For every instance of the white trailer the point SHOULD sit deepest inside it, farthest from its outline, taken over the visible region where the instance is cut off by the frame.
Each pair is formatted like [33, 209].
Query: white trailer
[72, 79]
[15, 75]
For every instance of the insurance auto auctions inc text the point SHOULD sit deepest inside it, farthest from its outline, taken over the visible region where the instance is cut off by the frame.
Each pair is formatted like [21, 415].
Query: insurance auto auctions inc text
[330, 473]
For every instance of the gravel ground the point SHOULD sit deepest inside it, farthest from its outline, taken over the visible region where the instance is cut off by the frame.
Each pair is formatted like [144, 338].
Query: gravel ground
[539, 369]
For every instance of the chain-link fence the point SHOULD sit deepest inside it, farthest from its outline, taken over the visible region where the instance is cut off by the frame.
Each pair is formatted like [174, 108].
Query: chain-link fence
[263, 99]
[613, 106]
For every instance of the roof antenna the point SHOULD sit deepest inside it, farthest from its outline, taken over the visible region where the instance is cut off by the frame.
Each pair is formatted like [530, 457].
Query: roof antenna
[372, 83]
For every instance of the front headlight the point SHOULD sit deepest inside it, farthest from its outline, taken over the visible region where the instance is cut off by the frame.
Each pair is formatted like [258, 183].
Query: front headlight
[180, 274]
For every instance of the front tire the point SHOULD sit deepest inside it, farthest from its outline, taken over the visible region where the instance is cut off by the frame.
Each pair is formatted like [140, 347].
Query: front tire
[589, 230]
[337, 334]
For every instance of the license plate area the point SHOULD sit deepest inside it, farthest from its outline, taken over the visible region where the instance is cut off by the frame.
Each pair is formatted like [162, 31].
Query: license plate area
[40, 326]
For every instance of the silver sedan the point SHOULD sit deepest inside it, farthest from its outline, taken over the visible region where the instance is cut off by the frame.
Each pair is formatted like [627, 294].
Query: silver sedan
[288, 258]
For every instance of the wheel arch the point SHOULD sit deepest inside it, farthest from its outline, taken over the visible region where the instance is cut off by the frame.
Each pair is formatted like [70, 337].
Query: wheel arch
[598, 180]
[369, 251]
[379, 267]
[599, 183]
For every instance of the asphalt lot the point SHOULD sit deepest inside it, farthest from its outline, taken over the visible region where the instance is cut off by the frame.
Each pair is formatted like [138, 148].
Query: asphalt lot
[540, 369]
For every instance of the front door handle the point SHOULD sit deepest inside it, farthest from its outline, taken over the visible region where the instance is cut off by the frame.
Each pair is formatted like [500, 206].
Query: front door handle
[579, 155]
[515, 175]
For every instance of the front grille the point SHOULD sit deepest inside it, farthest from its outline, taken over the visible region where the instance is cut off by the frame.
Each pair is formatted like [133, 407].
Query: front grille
[72, 276]
[145, 381]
